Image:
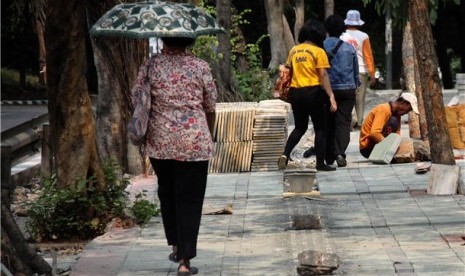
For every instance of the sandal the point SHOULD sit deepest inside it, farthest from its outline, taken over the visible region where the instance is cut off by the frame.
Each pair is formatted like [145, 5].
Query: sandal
[192, 270]
[173, 257]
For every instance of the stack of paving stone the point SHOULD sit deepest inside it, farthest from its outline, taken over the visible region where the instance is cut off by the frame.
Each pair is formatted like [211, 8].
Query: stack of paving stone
[269, 134]
[233, 137]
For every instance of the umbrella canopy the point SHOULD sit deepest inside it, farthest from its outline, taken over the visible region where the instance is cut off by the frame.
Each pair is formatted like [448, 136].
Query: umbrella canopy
[156, 19]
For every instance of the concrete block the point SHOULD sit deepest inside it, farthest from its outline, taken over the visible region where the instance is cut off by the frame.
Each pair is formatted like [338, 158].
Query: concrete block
[305, 222]
[300, 181]
[405, 153]
[444, 179]
[317, 263]
[386, 149]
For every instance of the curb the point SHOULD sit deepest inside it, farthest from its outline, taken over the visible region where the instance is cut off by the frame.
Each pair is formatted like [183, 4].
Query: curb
[25, 102]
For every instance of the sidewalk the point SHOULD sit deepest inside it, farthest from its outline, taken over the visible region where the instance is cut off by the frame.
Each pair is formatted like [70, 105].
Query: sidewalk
[374, 217]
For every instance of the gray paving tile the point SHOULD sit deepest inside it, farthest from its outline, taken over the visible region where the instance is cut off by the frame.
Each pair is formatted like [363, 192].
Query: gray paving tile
[369, 220]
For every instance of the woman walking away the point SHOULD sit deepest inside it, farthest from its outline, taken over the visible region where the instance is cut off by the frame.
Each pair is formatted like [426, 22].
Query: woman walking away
[344, 79]
[179, 142]
[308, 62]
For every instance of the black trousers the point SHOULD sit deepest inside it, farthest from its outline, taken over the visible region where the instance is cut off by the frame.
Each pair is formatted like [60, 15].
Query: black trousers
[339, 123]
[309, 101]
[181, 190]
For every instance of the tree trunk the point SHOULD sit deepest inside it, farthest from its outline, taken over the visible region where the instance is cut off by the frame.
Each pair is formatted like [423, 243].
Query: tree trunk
[42, 53]
[329, 8]
[222, 67]
[421, 102]
[299, 18]
[71, 117]
[223, 8]
[116, 72]
[409, 70]
[240, 50]
[38, 8]
[274, 15]
[17, 255]
[413, 84]
[288, 38]
[441, 149]
[117, 61]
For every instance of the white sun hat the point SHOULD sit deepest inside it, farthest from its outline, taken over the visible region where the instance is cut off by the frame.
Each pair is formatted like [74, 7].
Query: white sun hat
[353, 18]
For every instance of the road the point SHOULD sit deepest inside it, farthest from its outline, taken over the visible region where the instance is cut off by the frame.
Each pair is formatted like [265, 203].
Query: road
[15, 115]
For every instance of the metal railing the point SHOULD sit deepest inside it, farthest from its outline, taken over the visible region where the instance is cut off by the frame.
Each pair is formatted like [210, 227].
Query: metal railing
[17, 143]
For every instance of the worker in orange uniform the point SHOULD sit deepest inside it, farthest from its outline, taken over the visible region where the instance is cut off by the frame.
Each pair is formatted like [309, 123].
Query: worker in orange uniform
[383, 120]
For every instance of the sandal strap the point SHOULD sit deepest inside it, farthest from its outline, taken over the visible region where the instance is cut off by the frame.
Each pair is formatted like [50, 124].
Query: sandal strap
[192, 270]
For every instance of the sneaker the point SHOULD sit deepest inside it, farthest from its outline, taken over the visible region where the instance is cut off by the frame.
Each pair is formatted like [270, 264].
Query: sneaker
[324, 167]
[282, 162]
[341, 161]
[311, 151]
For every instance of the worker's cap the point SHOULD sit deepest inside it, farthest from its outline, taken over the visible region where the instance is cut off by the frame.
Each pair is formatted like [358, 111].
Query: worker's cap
[412, 99]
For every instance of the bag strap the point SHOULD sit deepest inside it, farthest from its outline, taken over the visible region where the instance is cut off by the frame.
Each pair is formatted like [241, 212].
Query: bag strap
[332, 54]
[149, 64]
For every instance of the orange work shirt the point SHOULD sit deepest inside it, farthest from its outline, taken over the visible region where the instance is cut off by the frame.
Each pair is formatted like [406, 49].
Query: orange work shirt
[371, 132]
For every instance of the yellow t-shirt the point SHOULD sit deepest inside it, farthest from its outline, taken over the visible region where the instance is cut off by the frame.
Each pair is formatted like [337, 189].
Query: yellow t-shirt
[304, 59]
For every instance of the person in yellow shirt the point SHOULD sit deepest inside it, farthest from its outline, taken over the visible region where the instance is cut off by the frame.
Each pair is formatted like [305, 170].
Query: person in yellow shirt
[366, 65]
[384, 119]
[310, 92]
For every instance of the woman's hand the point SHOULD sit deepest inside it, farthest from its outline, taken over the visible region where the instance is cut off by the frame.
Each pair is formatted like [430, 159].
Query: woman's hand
[333, 103]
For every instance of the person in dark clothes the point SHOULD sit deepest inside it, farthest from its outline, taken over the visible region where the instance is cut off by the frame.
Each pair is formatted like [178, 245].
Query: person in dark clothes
[344, 79]
[310, 92]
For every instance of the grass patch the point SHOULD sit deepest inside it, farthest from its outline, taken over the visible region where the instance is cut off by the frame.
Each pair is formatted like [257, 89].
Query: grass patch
[11, 77]
[11, 89]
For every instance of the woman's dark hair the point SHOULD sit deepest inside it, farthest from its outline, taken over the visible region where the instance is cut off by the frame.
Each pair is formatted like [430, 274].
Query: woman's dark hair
[334, 25]
[314, 31]
[178, 41]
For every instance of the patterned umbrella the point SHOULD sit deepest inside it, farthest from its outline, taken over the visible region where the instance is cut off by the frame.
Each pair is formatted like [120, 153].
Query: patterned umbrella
[156, 19]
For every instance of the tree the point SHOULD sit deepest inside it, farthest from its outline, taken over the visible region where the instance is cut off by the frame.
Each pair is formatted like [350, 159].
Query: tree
[274, 14]
[38, 11]
[299, 18]
[17, 255]
[117, 62]
[329, 8]
[417, 123]
[72, 123]
[223, 8]
[441, 149]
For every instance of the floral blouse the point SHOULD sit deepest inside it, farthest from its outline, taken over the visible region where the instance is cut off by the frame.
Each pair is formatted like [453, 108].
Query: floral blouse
[182, 92]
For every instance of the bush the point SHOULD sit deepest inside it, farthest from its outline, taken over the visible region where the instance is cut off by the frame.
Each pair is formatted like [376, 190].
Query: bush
[143, 210]
[62, 214]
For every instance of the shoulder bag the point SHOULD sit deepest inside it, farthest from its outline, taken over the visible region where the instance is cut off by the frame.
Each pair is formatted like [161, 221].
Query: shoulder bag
[282, 84]
[139, 121]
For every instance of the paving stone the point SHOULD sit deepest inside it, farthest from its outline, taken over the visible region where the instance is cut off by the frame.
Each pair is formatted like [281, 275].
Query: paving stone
[384, 151]
[443, 179]
[405, 153]
[254, 240]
